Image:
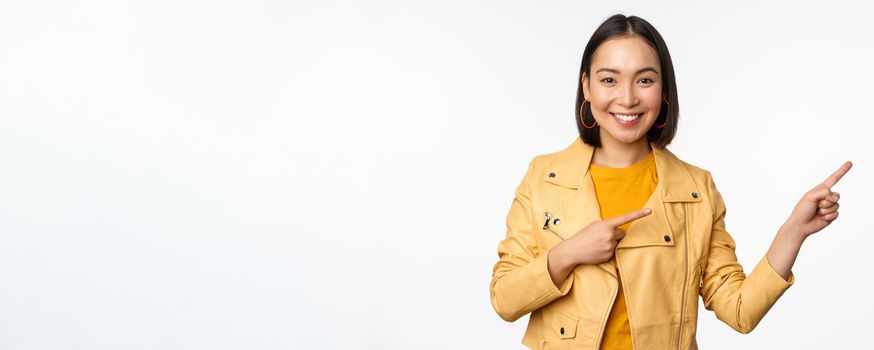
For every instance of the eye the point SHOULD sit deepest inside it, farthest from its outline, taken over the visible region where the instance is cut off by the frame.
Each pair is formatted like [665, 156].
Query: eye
[608, 80]
[646, 80]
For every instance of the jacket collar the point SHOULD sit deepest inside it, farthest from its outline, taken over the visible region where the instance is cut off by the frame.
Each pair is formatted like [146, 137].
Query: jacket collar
[571, 167]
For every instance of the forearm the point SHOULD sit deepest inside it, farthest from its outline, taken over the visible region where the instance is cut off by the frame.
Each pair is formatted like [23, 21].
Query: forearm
[559, 264]
[784, 249]
[521, 287]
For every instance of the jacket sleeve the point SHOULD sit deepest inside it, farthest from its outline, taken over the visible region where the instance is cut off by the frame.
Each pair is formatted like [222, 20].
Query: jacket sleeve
[520, 279]
[739, 300]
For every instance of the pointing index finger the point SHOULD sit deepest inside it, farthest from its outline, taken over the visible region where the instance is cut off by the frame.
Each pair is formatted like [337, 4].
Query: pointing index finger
[837, 175]
[626, 218]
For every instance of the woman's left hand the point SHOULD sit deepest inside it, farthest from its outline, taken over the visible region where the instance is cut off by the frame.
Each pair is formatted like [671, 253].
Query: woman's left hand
[819, 206]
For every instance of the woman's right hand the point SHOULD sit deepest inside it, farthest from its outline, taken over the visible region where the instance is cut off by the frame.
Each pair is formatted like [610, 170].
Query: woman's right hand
[594, 244]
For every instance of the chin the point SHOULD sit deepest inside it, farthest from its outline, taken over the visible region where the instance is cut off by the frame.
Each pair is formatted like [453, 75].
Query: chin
[627, 137]
[631, 140]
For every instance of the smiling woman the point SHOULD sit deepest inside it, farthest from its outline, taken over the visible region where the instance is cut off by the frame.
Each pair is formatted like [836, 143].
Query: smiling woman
[611, 240]
[628, 55]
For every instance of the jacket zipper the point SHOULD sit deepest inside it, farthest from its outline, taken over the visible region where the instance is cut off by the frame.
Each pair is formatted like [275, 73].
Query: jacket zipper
[546, 223]
[700, 276]
[548, 217]
[685, 278]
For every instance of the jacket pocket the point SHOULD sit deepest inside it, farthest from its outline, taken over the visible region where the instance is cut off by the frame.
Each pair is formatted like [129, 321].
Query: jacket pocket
[561, 324]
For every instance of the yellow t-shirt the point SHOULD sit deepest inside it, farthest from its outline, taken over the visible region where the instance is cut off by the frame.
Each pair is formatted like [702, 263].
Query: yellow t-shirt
[619, 191]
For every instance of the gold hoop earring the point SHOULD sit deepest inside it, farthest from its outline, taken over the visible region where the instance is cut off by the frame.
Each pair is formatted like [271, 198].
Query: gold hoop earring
[582, 119]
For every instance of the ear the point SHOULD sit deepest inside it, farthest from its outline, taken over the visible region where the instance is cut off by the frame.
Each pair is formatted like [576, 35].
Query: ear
[585, 81]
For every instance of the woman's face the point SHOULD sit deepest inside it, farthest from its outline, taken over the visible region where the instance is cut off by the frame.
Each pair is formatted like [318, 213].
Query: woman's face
[625, 89]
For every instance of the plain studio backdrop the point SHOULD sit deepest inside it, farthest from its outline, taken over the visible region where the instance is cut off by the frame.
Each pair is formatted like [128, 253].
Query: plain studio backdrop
[337, 175]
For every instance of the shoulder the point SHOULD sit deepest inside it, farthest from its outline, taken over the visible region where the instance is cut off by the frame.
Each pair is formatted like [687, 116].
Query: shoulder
[540, 162]
[703, 181]
[700, 175]
[539, 166]
[564, 164]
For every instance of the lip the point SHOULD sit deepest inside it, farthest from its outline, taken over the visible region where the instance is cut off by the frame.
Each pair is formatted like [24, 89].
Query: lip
[625, 123]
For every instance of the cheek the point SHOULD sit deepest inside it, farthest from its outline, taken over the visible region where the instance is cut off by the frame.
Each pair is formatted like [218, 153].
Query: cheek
[601, 94]
[653, 105]
[652, 97]
[600, 99]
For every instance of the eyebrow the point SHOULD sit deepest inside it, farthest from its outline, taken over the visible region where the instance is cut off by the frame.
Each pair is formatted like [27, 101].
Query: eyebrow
[615, 71]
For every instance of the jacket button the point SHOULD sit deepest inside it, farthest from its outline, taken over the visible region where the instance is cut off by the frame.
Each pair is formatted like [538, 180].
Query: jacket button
[561, 330]
[556, 221]
[667, 238]
[694, 194]
[551, 174]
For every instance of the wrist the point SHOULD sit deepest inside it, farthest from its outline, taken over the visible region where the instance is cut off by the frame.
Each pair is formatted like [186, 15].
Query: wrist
[559, 255]
[792, 232]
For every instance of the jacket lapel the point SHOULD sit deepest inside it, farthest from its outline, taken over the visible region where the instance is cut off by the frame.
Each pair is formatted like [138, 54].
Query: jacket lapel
[570, 170]
[675, 186]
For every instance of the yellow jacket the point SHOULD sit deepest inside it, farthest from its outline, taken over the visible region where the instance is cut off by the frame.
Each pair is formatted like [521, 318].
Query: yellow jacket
[667, 259]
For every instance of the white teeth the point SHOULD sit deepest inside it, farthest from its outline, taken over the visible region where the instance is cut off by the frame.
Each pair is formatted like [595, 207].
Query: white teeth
[627, 118]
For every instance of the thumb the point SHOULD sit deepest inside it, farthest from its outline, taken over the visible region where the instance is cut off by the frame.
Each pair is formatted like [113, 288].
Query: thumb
[629, 217]
[819, 193]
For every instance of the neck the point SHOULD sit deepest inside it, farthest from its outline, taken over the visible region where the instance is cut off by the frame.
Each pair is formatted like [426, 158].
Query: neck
[616, 154]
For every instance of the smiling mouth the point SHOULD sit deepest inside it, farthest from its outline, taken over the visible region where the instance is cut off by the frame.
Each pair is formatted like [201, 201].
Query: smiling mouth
[627, 118]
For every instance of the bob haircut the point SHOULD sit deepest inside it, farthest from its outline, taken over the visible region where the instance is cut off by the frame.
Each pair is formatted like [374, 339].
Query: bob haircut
[621, 26]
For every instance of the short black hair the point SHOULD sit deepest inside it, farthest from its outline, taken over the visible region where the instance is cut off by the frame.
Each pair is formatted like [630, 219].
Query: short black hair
[619, 26]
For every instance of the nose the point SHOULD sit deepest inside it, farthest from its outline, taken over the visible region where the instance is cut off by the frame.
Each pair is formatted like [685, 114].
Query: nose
[629, 97]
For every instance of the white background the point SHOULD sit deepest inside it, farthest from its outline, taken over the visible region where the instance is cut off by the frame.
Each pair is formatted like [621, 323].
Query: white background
[337, 175]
